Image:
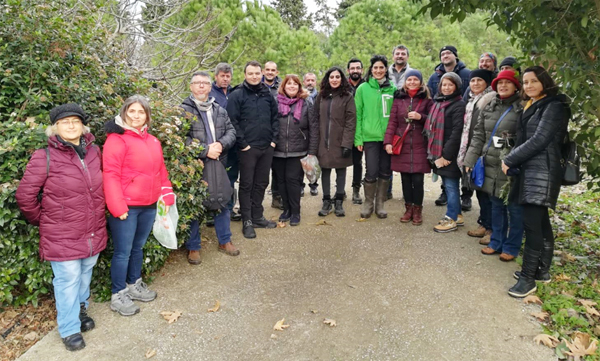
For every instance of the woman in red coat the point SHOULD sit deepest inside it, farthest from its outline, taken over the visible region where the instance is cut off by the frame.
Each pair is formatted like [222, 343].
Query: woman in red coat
[135, 177]
[70, 215]
[409, 111]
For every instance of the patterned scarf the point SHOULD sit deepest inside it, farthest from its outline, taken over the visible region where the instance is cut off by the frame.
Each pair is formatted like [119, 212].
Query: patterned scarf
[286, 103]
[434, 126]
[464, 139]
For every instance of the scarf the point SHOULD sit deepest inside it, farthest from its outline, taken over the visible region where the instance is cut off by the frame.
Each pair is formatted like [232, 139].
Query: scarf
[203, 106]
[205, 110]
[286, 103]
[434, 126]
[464, 139]
[119, 121]
[413, 92]
[79, 149]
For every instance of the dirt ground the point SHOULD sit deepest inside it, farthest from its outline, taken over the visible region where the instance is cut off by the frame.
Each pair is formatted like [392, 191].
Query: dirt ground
[396, 292]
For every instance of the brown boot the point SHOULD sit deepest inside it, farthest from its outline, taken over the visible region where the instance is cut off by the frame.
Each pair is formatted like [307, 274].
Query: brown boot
[194, 257]
[408, 214]
[229, 248]
[417, 216]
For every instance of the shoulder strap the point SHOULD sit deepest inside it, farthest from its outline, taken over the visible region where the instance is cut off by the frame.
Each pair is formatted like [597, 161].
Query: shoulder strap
[47, 162]
[496, 128]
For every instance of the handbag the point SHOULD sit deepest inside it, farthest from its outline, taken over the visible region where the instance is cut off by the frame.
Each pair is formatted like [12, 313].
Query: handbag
[571, 163]
[478, 172]
[398, 140]
[219, 189]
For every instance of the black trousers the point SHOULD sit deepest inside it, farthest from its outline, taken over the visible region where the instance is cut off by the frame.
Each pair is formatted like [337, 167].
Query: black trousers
[377, 161]
[357, 168]
[289, 174]
[412, 188]
[536, 221]
[274, 182]
[340, 181]
[255, 165]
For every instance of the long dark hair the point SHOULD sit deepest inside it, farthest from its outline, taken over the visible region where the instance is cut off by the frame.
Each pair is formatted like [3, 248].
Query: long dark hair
[374, 59]
[326, 87]
[549, 86]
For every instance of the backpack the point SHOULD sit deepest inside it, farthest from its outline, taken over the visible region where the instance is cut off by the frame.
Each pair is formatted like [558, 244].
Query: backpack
[570, 162]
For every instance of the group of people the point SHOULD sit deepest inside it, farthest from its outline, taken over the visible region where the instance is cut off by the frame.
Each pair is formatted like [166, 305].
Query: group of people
[508, 125]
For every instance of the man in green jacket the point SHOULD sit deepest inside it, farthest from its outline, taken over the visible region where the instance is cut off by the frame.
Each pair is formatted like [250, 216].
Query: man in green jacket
[374, 100]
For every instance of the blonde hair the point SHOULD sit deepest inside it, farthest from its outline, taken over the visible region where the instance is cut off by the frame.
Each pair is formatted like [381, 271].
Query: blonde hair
[53, 130]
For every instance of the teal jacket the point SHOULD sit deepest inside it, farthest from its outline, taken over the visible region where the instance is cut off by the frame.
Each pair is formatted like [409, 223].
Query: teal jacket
[373, 106]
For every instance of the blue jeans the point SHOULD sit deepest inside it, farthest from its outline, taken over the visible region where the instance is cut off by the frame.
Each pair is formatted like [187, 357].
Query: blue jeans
[507, 227]
[485, 209]
[453, 194]
[129, 237]
[71, 287]
[222, 228]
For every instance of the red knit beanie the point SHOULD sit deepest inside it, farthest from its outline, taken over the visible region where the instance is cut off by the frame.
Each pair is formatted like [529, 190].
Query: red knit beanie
[508, 75]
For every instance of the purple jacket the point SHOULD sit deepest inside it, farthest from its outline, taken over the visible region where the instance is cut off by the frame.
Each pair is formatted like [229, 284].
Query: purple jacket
[71, 214]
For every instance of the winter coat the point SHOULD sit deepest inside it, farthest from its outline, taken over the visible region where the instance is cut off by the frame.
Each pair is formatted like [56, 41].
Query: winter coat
[488, 117]
[479, 105]
[224, 131]
[540, 135]
[254, 116]
[460, 69]
[453, 126]
[413, 156]
[134, 170]
[274, 87]
[353, 88]
[373, 106]
[297, 138]
[336, 115]
[220, 97]
[396, 77]
[71, 214]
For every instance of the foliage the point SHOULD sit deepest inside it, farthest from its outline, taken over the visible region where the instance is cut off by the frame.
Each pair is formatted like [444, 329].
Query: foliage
[293, 13]
[324, 16]
[562, 37]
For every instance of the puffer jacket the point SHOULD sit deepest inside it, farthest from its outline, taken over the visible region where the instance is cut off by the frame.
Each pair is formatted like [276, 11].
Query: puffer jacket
[134, 170]
[336, 115]
[224, 131]
[488, 117]
[373, 106]
[540, 135]
[71, 213]
[297, 138]
[413, 156]
[454, 116]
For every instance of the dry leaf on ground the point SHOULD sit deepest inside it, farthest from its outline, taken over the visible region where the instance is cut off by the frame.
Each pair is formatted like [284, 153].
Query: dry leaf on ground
[567, 257]
[31, 336]
[280, 224]
[547, 340]
[587, 303]
[591, 311]
[541, 316]
[279, 326]
[330, 322]
[323, 223]
[216, 308]
[361, 220]
[150, 353]
[171, 316]
[532, 299]
[582, 345]
[314, 311]
[562, 277]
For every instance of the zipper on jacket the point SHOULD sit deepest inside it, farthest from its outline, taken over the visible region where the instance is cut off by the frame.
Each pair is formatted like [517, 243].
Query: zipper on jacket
[328, 134]
[287, 133]
[303, 135]
[91, 249]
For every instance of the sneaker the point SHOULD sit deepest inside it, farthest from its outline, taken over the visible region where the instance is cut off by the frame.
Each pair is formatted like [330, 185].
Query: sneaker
[235, 216]
[460, 221]
[121, 302]
[487, 238]
[263, 223]
[478, 232]
[285, 216]
[139, 291]
[248, 230]
[445, 225]
[74, 342]
[466, 204]
[87, 323]
[295, 220]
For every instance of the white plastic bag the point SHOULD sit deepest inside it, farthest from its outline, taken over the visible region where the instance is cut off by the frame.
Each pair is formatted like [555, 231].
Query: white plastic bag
[311, 167]
[165, 224]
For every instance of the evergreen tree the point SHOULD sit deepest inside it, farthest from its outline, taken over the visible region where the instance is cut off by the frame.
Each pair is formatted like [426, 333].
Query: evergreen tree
[293, 13]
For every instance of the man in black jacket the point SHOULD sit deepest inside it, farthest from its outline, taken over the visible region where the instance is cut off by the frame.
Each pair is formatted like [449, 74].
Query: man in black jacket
[355, 72]
[253, 112]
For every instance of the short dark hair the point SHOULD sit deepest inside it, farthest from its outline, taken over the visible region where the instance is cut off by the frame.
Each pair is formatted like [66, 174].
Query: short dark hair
[354, 60]
[549, 86]
[223, 68]
[252, 63]
[403, 47]
[326, 87]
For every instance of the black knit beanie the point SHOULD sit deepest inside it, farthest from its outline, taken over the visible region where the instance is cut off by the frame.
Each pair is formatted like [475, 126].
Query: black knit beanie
[484, 74]
[67, 110]
[451, 48]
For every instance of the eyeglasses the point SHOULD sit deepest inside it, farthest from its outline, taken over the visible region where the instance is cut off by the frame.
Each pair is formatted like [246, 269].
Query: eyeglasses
[201, 83]
[69, 121]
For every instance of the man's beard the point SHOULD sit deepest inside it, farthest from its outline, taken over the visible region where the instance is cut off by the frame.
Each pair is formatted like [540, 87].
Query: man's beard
[400, 62]
[310, 88]
[355, 76]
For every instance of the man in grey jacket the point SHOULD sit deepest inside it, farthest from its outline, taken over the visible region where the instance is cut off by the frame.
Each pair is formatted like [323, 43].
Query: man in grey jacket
[400, 66]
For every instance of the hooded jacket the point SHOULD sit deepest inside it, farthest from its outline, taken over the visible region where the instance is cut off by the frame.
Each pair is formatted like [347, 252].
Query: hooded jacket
[460, 69]
[134, 169]
[298, 137]
[373, 106]
[336, 116]
[71, 213]
[540, 136]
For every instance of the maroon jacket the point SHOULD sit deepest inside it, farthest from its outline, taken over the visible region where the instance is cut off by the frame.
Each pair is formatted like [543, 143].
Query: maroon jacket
[71, 215]
[413, 156]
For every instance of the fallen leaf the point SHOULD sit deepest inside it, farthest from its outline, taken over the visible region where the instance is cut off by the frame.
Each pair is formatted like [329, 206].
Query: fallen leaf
[31, 336]
[547, 340]
[216, 308]
[567, 257]
[150, 353]
[541, 316]
[587, 303]
[562, 277]
[314, 311]
[591, 311]
[279, 326]
[581, 345]
[323, 223]
[171, 316]
[330, 322]
[532, 299]
[281, 224]
[361, 220]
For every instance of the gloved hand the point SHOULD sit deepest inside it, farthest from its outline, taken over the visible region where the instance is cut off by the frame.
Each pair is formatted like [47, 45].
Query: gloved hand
[346, 152]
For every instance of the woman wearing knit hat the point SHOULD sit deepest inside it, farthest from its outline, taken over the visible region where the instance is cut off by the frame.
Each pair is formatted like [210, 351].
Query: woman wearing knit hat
[443, 129]
[409, 112]
[70, 215]
[493, 136]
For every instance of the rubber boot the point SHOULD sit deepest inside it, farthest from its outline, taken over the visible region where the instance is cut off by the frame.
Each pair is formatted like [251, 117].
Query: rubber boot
[382, 193]
[408, 214]
[327, 208]
[356, 199]
[526, 284]
[417, 217]
[339, 209]
[368, 205]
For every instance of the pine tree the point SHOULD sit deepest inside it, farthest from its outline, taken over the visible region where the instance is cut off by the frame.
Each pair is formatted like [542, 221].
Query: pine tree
[293, 13]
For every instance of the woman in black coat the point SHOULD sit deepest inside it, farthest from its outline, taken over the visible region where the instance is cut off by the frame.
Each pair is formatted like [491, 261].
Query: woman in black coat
[537, 158]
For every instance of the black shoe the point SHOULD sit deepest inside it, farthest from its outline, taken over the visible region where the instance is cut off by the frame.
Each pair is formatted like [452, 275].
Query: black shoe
[442, 200]
[538, 277]
[74, 342]
[87, 323]
[356, 195]
[285, 216]
[466, 204]
[235, 217]
[326, 208]
[295, 220]
[277, 202]
[339, 209]
[248, 230]
[314, 191]
[302, 192]
[263, 223]
[526, 284]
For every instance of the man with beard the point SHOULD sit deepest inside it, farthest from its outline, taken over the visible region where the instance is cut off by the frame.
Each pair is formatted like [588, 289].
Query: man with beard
[487, 61]
[449, 62]
[271, 80]
[355, 72]
[400, 66]
[310, 83]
